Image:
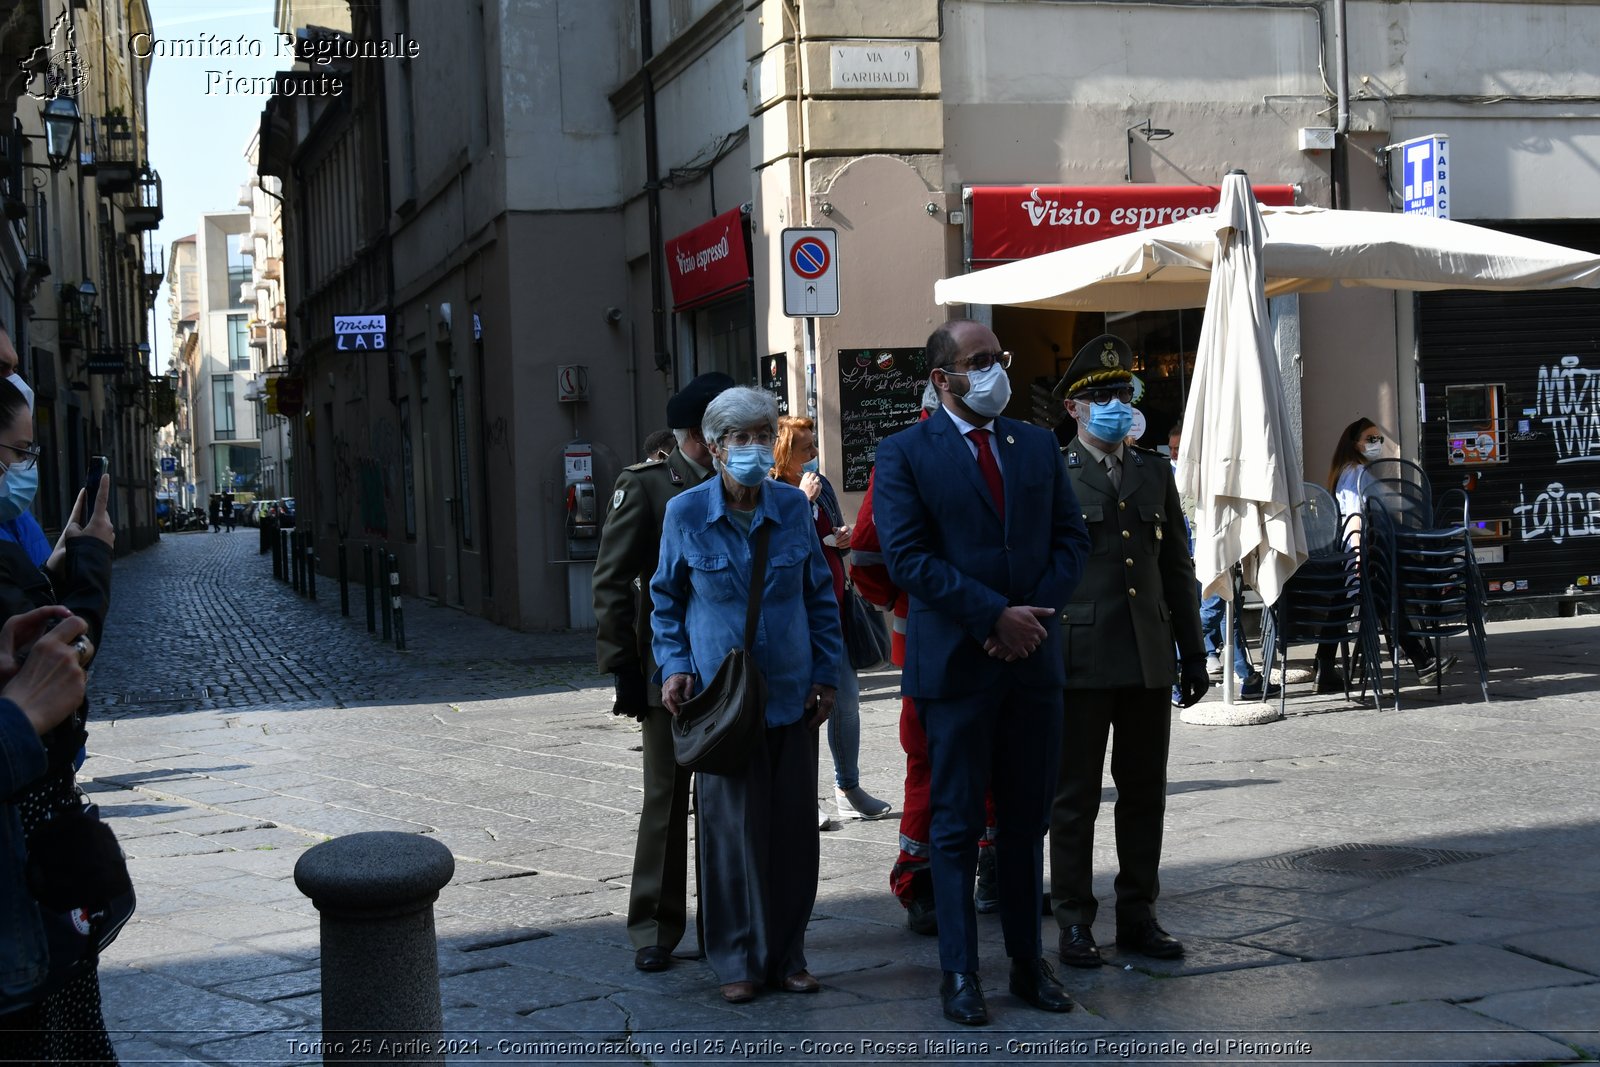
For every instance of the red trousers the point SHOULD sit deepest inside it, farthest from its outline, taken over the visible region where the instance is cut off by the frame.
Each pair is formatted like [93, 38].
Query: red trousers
[916, 813]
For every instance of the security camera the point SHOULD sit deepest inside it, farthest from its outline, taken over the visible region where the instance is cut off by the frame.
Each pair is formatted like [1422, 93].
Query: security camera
[613, 315]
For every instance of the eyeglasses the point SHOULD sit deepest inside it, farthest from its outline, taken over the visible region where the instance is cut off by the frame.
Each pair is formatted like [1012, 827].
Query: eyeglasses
[1372, 439]
[29, 458]
[1106, 394]
[744, 438]
[980, 361]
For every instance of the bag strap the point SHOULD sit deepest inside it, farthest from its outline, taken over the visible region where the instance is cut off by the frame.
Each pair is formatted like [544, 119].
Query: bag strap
[758, 579]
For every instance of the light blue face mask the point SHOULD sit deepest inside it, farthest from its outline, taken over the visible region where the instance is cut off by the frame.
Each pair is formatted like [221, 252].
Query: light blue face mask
[749, 464]
[812, 466]
[19, 487]
[1110, 421]
[17, 490]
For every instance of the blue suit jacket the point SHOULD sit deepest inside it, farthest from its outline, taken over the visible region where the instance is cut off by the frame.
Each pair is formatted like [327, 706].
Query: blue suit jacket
[962, 563]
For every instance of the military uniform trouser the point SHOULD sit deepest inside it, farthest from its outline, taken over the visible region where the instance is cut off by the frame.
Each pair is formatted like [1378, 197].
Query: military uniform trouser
[657, 901]
[1142, 721]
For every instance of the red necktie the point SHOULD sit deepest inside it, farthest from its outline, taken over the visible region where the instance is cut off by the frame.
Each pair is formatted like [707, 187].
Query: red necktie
[990, 469]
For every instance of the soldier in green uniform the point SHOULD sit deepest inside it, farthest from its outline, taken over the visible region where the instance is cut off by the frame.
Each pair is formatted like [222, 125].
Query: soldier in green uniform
[1137, 597]
[630, 544]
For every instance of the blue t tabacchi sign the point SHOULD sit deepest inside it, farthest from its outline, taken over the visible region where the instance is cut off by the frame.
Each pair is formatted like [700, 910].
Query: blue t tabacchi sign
[1425, 170]
[360, 333]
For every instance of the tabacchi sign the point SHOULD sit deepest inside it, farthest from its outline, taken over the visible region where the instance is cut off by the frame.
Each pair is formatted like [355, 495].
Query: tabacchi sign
[1018, 221]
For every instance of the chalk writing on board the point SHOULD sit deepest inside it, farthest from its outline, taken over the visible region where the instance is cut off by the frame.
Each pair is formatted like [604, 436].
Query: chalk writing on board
[880, 392]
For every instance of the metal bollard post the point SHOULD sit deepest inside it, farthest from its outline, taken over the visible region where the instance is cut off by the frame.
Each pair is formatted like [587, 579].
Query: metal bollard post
[344, 582]
[369, 579]
[384, 597]
[399, 608]
[283, 553]
[277, 555]
[311, 565]
[298, 543]
[380, 953]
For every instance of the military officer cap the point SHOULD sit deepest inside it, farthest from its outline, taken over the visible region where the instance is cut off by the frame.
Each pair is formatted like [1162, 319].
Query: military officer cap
[1107, 360]
[688, 407]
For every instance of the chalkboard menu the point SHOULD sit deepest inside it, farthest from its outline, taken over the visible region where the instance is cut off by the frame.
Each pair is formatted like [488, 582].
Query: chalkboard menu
[774, 377]
[880, 392]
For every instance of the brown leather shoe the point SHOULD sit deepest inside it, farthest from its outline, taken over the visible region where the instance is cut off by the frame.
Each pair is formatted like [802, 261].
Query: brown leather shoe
[739, 992]
[801, 982]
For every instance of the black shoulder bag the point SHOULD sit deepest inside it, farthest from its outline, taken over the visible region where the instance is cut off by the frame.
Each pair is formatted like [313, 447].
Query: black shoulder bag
[715, 730]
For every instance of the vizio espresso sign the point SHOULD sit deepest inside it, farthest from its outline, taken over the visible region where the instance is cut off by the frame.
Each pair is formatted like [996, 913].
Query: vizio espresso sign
[360, 333]
[1017, 221]
[708, 262]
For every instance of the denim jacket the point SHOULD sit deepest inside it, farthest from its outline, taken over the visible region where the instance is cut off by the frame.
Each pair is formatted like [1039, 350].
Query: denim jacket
[23, 959]
[702, 586]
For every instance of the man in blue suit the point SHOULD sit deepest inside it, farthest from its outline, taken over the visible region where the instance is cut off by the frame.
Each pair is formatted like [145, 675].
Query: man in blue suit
[979, 525]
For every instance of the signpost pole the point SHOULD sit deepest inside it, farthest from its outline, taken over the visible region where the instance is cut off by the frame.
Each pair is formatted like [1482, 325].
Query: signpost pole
[811, 367]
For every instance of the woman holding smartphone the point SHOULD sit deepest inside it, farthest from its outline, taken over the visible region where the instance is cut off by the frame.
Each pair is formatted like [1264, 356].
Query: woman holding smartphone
[67, 1025]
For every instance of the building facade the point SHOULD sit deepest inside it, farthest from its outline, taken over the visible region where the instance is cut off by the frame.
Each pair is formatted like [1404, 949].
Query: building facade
[78, 267]
[564, 213]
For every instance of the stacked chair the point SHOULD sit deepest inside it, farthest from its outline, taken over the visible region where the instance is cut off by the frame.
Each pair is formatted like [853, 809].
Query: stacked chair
[1421, 578]
[1325, 602]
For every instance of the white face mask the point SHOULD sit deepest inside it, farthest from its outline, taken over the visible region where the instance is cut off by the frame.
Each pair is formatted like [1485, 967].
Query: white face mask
[988, 391]
[1373, 451]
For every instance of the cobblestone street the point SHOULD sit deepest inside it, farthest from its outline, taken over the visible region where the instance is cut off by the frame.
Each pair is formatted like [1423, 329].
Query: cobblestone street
[237, 724]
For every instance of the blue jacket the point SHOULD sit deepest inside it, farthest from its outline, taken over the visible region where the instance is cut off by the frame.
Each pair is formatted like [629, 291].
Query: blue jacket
[23, 959]
[26, 531]
[962, 563]
[702, 586]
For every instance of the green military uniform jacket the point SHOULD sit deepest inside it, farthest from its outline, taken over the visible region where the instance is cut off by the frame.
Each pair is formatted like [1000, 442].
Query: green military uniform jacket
[630, 549]
[1137, 597]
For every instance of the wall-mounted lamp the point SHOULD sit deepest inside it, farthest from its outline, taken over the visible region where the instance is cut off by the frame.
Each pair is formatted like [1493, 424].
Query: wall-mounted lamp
[61, 121]
[1151, 133]
[87, 295]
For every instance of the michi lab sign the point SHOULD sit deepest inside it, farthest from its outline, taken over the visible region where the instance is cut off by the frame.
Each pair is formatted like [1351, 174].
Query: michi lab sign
[360, 333]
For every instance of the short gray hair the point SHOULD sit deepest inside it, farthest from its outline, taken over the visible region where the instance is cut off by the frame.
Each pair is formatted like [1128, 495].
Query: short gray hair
[737, 408]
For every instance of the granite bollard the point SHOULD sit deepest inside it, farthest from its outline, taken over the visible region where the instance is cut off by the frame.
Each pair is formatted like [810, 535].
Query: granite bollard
[380, 963]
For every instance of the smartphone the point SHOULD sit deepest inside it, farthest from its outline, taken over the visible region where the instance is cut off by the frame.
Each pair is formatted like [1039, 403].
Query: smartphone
[98, 465]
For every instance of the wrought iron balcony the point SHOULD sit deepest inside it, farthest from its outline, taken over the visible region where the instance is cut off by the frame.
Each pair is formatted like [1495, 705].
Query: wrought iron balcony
[115, 159]
[145, 212]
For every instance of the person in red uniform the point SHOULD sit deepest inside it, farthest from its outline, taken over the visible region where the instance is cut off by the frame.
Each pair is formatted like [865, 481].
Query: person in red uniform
[910, 879]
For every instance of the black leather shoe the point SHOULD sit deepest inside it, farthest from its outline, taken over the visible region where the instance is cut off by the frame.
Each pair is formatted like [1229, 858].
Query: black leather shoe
[1034, 982]
[1148, 939]
[1329, 681]
[962, 997]
[653, 958]
[1078, 948]
[922, 916]
[986, 897]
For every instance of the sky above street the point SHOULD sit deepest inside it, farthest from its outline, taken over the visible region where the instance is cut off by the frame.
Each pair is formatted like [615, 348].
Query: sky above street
[198, 137]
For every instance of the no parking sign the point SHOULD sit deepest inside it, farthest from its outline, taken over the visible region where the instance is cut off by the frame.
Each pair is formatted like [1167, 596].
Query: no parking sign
[810, 272]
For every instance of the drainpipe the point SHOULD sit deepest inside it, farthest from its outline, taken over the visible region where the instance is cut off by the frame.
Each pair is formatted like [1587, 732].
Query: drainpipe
[652, 185]
[1341, 77]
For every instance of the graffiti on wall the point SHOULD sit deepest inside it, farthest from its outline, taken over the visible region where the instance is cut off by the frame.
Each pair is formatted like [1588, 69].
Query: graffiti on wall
[1558, 513]
[364, 480]
[1569, 404]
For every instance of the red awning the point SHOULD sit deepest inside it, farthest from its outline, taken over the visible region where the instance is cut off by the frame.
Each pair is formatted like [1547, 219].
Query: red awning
[709, 261]
[1018, 221]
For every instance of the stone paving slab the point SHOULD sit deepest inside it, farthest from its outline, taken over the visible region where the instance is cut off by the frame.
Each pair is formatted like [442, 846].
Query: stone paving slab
[1570, 1015]
[1429, 1031]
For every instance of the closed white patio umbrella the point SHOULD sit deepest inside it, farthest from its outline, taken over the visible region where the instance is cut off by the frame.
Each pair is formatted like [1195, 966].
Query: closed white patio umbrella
[1238, 460]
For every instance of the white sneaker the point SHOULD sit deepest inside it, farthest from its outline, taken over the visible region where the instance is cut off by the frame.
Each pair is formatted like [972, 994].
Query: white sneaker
[1213, 665]
[857, 803]
[823, 822]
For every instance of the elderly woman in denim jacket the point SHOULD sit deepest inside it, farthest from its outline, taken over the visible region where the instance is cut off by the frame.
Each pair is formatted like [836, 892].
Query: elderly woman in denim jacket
[758, 833]
[46, 690]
